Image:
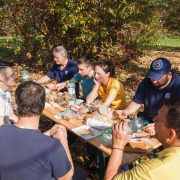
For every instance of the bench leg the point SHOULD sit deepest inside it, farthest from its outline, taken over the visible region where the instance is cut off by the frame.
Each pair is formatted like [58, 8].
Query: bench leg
[101, 165]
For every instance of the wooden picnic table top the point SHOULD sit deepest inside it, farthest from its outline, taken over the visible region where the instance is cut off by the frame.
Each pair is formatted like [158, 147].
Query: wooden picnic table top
[128, 157]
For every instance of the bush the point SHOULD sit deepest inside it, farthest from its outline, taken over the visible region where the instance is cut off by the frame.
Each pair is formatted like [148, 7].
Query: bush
[116, 30]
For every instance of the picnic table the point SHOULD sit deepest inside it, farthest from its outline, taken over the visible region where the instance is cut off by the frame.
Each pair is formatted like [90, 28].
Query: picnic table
[129, 155]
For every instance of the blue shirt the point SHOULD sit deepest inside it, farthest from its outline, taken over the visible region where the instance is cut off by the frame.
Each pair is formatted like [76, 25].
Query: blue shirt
[28, 154]
[153, 98]
[87, 84]
[66, 74]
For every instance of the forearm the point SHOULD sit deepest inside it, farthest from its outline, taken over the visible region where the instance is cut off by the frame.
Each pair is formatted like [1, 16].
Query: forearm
[66, 147]
[92, 95]
[131, 108]
[43, 79]
[110, 98]
[114, 164]
[47, 133]
[13, 118]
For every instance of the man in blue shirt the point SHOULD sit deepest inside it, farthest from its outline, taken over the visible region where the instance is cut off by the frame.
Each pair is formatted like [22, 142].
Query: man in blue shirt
[63, 70]
[159, 84]
[85, 76]
[25, 152]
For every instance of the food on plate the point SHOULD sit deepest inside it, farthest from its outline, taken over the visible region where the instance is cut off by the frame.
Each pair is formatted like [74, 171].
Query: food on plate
[74, 108]
[94, 115]
[103, 110]
[98, 103]
[86, 131]
[119, 115]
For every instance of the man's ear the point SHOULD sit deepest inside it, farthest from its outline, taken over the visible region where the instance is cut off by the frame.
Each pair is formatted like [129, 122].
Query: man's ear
[16, 107]
[172, 134]
[170, 74]
[1, 77]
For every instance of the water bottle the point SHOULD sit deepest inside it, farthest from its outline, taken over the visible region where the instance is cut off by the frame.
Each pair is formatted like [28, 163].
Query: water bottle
[133, 126]
[25, 74]
[72, 93]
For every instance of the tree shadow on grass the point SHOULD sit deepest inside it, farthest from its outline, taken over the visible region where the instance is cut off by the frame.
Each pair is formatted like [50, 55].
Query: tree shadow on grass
[6, 53]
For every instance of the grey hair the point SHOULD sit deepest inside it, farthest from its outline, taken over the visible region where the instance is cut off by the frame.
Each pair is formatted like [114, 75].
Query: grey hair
[61, 50]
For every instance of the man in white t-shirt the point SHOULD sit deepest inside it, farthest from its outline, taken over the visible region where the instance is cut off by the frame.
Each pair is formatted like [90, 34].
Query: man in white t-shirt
[7, 79]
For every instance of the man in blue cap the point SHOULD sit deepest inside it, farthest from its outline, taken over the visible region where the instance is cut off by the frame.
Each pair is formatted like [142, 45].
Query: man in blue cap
[159, 84]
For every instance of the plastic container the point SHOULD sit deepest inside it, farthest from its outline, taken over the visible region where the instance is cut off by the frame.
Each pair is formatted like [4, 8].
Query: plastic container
[25, 74]
[133, 126]
[72, 93]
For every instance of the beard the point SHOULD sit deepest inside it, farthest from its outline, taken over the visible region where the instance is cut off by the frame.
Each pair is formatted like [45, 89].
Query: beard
[157, 86]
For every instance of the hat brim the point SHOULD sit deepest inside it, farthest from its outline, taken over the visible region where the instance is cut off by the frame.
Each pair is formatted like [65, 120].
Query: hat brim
[155, 76]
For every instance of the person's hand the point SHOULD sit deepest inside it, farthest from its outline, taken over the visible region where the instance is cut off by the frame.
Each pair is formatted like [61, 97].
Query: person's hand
[120, 114]
[61, 136]
[51, 87]
[60, 86]
[97, 83]
[57, 128]
[36, 81]
[119, 134]
[150, 128]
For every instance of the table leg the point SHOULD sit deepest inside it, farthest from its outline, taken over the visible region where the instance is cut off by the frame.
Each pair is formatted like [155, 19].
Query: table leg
[101, 165]
[155, 153]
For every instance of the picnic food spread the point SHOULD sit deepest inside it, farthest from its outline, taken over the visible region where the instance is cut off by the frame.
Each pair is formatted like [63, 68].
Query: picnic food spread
[100, 117]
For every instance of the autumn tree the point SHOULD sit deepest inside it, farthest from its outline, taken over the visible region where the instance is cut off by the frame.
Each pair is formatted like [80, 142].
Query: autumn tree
[113, 29]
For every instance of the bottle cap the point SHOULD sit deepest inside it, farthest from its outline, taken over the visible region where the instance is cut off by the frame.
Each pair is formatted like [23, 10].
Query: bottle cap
[145, 123]
[70, 81]
[24, 69]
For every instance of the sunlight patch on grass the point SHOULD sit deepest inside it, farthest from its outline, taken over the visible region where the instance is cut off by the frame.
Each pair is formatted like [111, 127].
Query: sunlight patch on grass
[168, 42]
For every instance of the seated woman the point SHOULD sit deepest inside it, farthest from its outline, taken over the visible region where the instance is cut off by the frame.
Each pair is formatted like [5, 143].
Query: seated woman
[109, 89]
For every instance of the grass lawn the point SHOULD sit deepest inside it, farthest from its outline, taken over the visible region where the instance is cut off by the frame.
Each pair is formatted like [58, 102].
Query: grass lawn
[168, 42]
[7, 47]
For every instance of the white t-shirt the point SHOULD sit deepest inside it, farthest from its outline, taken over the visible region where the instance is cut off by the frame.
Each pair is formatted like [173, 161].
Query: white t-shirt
[5, 100]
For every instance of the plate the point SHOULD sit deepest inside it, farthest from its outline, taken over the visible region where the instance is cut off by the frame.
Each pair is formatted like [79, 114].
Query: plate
[86, 132]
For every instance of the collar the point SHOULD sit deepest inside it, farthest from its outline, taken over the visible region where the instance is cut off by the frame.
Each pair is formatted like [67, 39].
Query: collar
[109, 82]
[4, 93]
[66, 67]
[169, 151]
[90, 77]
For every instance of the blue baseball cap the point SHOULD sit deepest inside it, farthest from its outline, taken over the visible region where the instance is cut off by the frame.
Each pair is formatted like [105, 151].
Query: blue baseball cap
[159, 67]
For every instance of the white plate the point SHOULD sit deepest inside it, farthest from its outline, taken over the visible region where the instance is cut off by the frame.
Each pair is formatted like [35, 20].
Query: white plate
[86, 136]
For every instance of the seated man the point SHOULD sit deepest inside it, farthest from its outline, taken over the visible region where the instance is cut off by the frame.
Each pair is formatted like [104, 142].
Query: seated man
[167, 131]
[25, 152]
[85, 76]
[7, 79]
[159, 84]
[63, 70]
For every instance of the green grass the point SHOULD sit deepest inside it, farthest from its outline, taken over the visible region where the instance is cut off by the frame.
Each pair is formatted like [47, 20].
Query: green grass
[7, 47]
[168, 42]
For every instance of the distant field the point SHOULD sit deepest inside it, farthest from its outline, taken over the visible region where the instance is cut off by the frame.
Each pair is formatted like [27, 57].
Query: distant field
[168, 42]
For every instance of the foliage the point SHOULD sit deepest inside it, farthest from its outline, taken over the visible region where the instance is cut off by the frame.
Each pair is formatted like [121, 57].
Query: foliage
[113, 29]
[7, 47]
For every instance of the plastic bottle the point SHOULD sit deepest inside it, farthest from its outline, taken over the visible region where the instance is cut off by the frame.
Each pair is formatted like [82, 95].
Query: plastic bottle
[72, 93]
[133, 126]
[25, 74]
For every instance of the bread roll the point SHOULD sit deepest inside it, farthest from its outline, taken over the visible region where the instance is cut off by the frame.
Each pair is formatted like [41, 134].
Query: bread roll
[103, 110]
